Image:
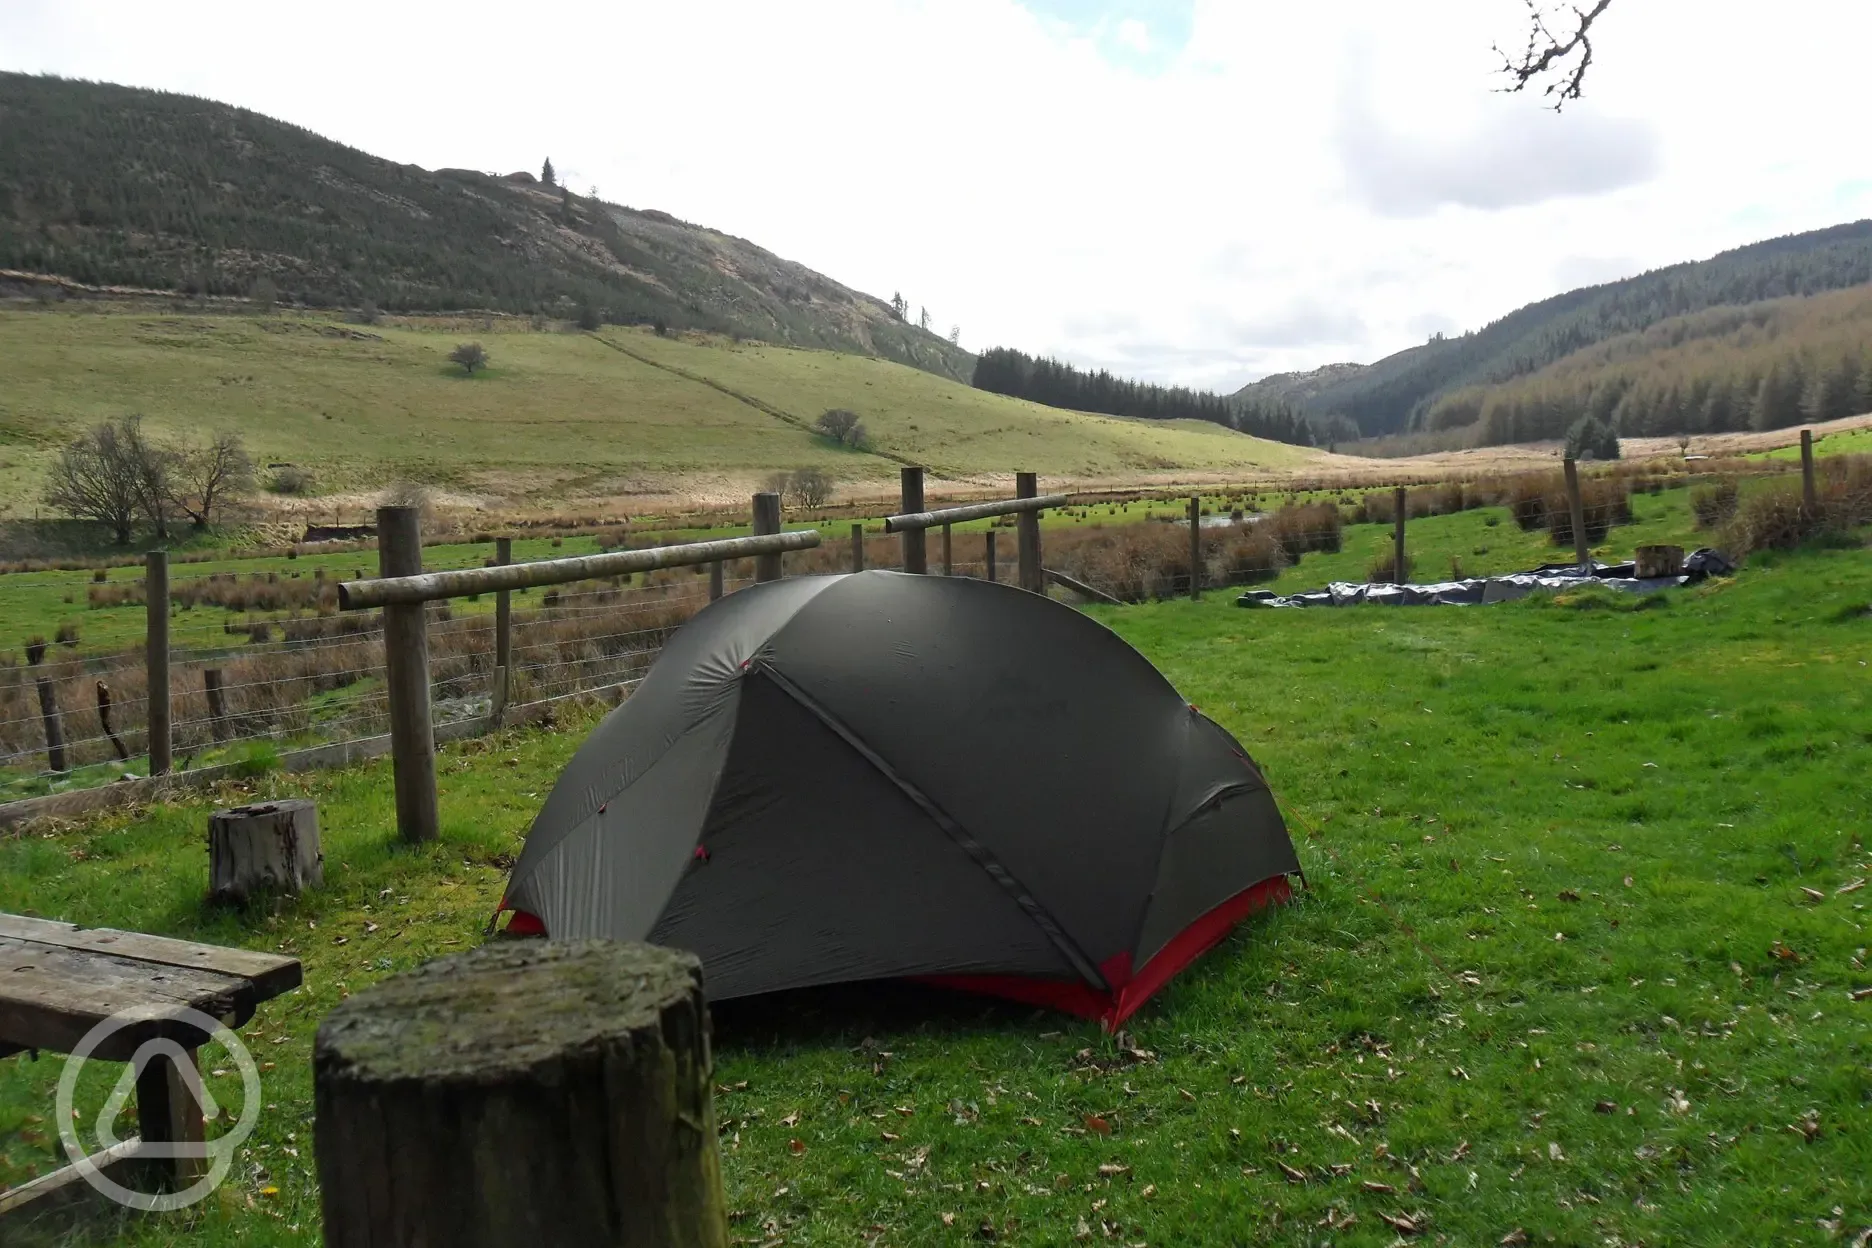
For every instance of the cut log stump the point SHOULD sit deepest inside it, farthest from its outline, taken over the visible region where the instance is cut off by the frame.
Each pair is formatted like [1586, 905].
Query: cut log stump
[529, 1092]
[267, 846]
[1659, 561]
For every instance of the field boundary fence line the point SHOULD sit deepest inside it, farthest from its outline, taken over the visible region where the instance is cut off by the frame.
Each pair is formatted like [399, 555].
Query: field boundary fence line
[311, 684]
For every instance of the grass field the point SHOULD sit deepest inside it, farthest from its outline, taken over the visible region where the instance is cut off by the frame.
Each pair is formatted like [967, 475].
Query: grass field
[1557, 970]
[557, 415]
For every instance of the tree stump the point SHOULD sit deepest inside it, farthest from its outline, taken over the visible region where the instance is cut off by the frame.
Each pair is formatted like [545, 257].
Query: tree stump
[523, 1093]
[1659, 561]
[271, 845]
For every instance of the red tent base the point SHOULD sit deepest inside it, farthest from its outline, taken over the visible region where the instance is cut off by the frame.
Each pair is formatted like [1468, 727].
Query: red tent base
[1128, 991]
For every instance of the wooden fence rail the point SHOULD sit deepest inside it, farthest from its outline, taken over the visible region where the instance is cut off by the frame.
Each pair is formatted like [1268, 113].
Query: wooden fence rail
[404, 590]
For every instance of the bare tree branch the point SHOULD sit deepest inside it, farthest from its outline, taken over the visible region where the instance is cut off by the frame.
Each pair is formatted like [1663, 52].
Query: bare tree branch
[1547, 53]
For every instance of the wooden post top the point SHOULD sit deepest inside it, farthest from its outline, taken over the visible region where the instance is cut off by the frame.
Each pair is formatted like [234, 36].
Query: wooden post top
[505, 1007]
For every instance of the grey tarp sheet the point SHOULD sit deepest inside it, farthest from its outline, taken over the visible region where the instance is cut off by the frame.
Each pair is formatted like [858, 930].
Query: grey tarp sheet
[1479, 591]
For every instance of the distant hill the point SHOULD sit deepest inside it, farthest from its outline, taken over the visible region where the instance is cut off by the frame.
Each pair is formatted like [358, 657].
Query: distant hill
[110, 185]
[1398, 392]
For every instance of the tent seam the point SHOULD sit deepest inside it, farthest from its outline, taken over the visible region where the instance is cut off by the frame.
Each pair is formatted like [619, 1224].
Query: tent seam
[977, 852]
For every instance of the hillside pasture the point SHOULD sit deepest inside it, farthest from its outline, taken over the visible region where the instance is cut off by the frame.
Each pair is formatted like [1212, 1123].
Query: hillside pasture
[556, 416]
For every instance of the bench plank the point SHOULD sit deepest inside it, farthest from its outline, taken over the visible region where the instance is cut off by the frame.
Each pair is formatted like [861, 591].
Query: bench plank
[271, 974]
[50, 996]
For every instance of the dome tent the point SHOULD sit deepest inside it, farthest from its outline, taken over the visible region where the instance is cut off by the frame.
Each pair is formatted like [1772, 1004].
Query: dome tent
[879, 775]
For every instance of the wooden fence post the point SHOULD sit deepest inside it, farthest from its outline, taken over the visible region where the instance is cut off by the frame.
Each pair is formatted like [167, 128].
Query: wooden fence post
[1027, 535]
[766, 522]
[571, 1104]
[217, 703]
[915, 549]
[1400, 573]
[103, 714]
[948, 553]
[1582, 549]
[715, 580]
[406, 678]
[988, 545]
[156, 657]
[503, 638]
[857, 547]
[1196, 559]
[48, 707]
[1809, 495]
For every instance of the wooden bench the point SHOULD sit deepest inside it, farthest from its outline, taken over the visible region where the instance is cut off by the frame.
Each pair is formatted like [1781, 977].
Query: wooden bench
[58, 981]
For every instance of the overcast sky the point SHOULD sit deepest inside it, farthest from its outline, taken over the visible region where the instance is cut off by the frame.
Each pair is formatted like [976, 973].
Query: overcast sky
[1196, 191]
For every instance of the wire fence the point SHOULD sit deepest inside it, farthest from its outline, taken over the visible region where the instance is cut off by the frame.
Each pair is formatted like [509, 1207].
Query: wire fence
[266, 662]
[71, 721]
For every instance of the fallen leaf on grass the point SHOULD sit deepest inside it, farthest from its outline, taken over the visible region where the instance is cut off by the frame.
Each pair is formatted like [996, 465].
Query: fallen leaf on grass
[1783, 952]
[1861, 994]
[889, 1138]
[1149, 1192]
[1853, 887]
[1513, 1239]
[1095, 1123]
[1111, 1170]
[798, 1147]
[1293, 1175]
[1567, 894]
[1462, 1150]
[1371, 1186]
[1813, 894]
[1401, 1224]
[791, 1120]
[1186, 1094]
[1606, 1107]
[1808, 1128]
[948, 1219]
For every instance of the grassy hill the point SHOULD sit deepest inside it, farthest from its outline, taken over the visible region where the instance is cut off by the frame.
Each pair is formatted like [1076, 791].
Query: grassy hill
[1397, 392]
[110, 185]
[558, 415]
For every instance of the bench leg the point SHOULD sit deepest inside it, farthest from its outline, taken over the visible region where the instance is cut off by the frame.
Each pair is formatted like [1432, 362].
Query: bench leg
[169, 1111]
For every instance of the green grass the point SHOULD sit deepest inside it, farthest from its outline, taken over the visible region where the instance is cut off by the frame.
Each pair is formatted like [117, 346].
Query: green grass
[1845, 442]
[1552, 848]
[557, 415]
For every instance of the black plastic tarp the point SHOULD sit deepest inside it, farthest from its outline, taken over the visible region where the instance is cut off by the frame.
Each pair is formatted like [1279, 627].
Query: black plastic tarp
[1479, 591]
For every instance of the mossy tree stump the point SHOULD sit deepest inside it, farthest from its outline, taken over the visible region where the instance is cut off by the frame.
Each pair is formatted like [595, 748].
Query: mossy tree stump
[524, 1093]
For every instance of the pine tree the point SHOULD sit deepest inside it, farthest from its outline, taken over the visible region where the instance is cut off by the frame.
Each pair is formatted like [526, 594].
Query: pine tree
[546, 174]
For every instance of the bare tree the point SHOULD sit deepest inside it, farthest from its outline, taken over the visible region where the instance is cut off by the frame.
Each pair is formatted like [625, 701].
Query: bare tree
[778, 483]
[103, 476]
[923, 319]
[470, 355]
[208, 477]
[955, 335]
[842, 426]
[1549, 54]
[810, 487]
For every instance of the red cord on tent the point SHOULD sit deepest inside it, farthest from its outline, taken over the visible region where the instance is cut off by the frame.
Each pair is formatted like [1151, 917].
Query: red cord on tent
[1128, 991]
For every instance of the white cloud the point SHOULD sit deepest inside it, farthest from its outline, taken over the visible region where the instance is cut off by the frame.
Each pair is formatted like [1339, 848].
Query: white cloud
[1203, 214]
